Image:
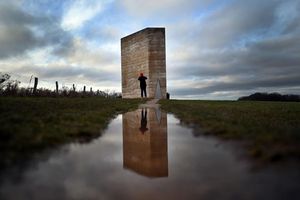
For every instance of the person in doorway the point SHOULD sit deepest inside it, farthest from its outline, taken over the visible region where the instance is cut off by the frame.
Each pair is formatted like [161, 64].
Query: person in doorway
[143, 85]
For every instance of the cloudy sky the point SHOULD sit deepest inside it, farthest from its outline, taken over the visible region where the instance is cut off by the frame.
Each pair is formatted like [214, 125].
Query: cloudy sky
[216, 49]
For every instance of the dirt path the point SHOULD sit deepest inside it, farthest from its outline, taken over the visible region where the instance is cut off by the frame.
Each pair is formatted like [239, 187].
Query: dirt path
[150, 104]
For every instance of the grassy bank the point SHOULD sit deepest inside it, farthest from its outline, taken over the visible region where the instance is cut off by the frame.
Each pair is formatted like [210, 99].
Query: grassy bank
[272, 129]
[32, 124]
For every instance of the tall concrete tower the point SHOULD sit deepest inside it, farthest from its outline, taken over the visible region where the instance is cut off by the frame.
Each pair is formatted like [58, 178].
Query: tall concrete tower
[144, 52]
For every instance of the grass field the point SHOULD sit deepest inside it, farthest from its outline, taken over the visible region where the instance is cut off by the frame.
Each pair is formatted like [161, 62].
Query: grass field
[28, 125]
[272, 129]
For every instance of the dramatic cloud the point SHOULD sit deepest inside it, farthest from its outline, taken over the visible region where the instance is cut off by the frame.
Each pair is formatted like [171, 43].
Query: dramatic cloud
[15, 35]
[160, 8]
[22, 31]
[216, 49]
[242, 46]
[82, 65]
[81, 11]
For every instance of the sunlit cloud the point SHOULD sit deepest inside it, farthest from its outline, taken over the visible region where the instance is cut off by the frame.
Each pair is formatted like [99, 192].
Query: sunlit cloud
[81, 11]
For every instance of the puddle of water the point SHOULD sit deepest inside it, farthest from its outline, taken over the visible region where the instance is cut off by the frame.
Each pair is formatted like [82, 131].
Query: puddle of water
[147, 154]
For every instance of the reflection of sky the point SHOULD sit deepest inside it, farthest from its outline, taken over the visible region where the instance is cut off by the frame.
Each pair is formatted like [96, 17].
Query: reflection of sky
[199, 168]
[223, 40]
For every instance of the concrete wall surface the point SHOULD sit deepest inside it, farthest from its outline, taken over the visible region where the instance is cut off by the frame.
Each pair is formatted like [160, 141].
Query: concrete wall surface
[144, 52]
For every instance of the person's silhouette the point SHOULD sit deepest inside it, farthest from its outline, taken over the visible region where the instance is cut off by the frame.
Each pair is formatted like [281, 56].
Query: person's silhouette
[143, 127]
[143, 84]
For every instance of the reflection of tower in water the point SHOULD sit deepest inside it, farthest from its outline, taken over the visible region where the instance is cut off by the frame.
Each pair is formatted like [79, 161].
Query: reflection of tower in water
[145, 144]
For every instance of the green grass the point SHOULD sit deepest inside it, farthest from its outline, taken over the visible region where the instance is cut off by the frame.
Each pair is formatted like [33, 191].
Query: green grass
[30, 124]
[272, 129]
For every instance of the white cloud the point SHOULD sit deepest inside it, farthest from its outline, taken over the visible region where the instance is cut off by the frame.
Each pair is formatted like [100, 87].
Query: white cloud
[91, 56]
[81, 11]
[85, 64]
[161, 7]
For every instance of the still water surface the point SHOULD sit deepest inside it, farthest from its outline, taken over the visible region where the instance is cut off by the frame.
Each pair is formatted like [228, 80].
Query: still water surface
[147, 154]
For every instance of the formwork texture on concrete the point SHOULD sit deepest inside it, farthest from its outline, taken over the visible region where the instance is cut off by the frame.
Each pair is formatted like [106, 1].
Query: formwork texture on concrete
[144, 52]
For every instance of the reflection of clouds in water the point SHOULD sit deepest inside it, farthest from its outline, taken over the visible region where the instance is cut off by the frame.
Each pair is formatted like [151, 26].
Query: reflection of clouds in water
[158, 114]
[196, 170]
[77, 174]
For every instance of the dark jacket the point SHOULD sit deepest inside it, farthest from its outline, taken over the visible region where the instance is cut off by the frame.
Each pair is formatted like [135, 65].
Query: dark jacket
[142, 80]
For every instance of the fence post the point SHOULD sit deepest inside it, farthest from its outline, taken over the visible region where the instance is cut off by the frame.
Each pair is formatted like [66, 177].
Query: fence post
[73, 87]
[84, 89]
[56, 83]
[36, 80]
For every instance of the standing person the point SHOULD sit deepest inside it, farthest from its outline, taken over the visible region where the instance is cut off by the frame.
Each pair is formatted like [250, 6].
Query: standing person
[143, 84]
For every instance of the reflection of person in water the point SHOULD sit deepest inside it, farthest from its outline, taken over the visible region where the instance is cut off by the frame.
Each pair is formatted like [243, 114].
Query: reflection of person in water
[143, 127]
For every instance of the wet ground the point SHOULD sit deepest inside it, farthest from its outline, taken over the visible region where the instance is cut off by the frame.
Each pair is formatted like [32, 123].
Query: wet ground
[148, 154]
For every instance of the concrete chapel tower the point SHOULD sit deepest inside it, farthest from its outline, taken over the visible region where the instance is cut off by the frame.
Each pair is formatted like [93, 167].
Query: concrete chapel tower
[144, 52]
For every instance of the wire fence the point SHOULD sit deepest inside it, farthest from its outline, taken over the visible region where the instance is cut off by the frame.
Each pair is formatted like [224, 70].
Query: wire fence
[21, 85]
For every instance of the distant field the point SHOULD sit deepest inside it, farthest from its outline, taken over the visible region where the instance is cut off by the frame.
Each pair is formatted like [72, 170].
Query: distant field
[271, 128]
[35, 123]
